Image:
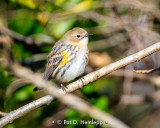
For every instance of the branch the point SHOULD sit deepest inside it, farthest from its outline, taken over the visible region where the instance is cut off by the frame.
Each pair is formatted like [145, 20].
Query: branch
[2, 114]
[73, 86]
[69, 99]
[146, 71]
[112, 67]
[20, 37]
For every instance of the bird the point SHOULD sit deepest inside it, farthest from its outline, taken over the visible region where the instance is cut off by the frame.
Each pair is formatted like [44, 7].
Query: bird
[68, 58]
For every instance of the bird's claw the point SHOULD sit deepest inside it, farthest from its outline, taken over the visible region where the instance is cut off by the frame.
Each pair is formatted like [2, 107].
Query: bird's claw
[64, 88]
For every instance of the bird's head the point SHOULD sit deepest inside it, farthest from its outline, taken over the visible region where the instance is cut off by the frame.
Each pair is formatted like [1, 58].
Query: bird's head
[77, 36]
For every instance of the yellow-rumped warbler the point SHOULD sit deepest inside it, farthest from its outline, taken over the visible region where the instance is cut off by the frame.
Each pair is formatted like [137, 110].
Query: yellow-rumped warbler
[68, 57]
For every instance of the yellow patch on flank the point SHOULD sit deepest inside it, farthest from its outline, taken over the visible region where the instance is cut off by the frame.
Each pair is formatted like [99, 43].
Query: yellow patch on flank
[65, 57]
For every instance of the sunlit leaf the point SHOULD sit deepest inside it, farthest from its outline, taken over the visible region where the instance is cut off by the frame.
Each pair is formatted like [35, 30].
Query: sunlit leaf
[59, 2]
[83, 6]
[89, 89]
[60, 28]
[23, 94]
[29, 3]
[43, 18]
[102, 103]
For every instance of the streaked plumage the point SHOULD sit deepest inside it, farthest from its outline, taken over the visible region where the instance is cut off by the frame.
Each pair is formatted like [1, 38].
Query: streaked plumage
[68, 57]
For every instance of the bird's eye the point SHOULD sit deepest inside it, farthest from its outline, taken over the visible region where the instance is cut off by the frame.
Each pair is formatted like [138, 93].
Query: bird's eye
[78, 36]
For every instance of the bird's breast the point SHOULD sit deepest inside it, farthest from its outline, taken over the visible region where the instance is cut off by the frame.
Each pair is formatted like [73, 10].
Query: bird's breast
[74, 68]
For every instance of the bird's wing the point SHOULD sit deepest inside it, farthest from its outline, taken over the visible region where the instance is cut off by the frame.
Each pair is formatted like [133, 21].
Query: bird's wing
[54, 58]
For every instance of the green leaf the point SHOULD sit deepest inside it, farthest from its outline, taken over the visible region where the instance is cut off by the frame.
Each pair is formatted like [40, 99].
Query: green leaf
[59, 29]
[89, 89]
[20, 52]
[22, 26]
[5, 79]
[28, 3]
[102, 103]
[24, 93]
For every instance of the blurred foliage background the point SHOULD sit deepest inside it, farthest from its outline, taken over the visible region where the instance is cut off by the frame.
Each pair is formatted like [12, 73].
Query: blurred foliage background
[29, 29]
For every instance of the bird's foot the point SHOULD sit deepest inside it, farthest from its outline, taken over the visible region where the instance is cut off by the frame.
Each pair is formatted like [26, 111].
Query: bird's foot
[64, 88]
[81, 79]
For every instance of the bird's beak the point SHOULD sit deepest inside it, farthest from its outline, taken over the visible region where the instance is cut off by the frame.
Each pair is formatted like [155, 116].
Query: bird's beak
[88, 34]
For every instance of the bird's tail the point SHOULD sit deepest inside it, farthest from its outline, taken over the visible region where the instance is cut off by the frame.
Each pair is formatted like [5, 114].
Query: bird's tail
[36, 89]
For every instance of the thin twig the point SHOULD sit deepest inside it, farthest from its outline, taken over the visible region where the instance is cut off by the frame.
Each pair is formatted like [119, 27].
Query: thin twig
[146, 71]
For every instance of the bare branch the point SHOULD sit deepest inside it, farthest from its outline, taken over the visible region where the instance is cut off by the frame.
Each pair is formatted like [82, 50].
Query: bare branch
[112, 67]
[146, 71]
[72, 87]
[69, 99]
[20, 37]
